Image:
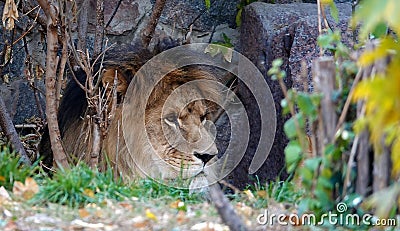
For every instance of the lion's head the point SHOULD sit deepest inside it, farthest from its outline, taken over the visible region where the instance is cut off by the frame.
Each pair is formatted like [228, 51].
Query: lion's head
[174, 137]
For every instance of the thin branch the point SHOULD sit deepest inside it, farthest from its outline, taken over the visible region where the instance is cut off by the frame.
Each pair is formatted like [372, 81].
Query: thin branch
[29, 29]
[11, 134]
[113, 14]
[148, 32]
[52, 12]
[225, 209]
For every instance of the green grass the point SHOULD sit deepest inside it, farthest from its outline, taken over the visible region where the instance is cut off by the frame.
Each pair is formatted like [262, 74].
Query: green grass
[81, 185]
[280, 192]
[11, 169]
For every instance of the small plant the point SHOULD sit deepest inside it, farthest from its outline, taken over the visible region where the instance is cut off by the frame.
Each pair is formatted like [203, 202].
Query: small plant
[11, 169]
[240, 8]
[80, 186]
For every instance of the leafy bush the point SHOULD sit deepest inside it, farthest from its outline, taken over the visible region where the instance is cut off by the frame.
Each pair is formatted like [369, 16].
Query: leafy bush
[11, 169]
[326, 176]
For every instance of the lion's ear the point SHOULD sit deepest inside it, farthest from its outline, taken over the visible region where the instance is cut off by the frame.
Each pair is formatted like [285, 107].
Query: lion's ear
[108, 80]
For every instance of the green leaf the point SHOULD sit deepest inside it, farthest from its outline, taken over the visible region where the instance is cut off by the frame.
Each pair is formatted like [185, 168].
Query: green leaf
[277, 63]
[208, 3]
[305, 104]
[325, 41]
[213, 49]
[334, 11]
[380, 30]
[239, 18]
[312, 164]
[293, 153]
[290, 128]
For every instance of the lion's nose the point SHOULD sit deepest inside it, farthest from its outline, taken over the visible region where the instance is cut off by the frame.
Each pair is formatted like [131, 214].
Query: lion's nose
[203, 157]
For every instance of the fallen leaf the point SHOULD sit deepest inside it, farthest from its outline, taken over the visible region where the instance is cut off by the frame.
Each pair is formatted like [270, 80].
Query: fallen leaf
[140, 222]
[10, 14]
[31, 184]
[88, 192]
[10, 226]
[249, 195]
[151, 215]
[174, 204]
[244, 209]
[83, 213]
[27, 190]
[181, 217]
[126, 205]
[262, 193]
[177, 204]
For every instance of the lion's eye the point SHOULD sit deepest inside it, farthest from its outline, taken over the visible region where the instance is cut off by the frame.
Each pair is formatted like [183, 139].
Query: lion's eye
[171, 120]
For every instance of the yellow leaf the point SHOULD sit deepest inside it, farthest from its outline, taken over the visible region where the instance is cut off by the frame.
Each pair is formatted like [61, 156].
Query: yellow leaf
[88, 192]
[2, 178]
[326, 2]
[396, 157]
[249, 195]
[262, 193]
[385, 47]
[150, 215]
[83, 213]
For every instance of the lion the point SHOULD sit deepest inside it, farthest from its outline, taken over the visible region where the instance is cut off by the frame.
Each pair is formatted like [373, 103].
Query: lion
[175, 140]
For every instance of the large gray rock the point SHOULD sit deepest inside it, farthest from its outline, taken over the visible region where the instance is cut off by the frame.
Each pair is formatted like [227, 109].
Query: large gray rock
[14, 85]
[270, 31]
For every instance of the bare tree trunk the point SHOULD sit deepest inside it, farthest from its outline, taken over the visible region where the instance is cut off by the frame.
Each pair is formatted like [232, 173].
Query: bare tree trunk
[324, 78]
[364, 163]
[148, 32]
[52, 10]
[12, 136]
[382, 168]
[98, 38]
[225, 209]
